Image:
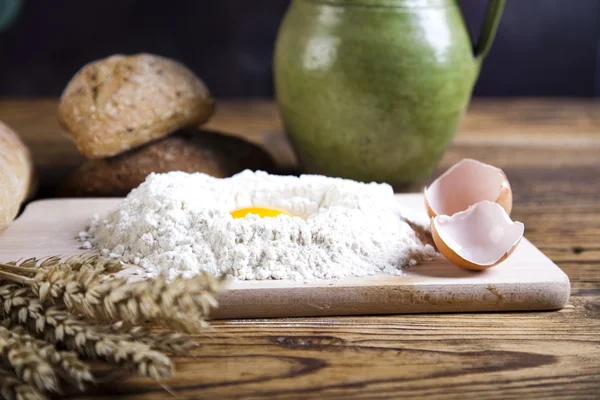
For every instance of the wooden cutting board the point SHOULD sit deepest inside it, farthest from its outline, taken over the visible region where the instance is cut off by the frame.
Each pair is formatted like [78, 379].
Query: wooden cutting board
[528, 280]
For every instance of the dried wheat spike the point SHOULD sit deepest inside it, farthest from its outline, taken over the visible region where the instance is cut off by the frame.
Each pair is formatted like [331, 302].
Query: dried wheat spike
[57, 326]
[27, 363]
[55, 277]
[93, 261]
[67, 363]
[181, 304]
[79, 335]
[167, 342]
[55, 281]
[48, 276]
[13, 388]
[73, 263]
[81, 283]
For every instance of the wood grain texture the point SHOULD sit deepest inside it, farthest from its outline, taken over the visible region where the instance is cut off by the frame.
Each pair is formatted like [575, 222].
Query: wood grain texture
[550, 151]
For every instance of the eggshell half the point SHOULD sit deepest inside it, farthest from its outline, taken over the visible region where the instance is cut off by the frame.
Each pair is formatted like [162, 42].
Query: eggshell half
[478, 238]
[465, 184]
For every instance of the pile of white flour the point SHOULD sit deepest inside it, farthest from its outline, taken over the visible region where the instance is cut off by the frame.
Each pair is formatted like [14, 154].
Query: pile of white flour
[180, 224]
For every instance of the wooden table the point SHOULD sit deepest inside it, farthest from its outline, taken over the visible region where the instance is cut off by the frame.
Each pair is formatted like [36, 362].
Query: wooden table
[550, 150]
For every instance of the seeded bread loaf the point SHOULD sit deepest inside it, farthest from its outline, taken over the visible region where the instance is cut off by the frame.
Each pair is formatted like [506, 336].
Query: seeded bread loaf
[189, 151]
[16, 175]
[122, 102]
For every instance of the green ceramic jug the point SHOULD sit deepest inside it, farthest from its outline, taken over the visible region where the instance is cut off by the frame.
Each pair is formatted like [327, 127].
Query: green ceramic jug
[373, 90]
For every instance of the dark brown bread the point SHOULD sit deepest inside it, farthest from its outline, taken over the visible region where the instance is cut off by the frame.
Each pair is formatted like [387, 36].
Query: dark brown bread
[16, 174]
[191, 150]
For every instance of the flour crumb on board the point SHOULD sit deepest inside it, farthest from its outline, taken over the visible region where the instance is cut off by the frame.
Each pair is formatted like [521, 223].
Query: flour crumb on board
[180, 224]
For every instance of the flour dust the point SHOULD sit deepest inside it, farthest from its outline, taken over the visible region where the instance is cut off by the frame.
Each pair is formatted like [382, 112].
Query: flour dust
[180, 224]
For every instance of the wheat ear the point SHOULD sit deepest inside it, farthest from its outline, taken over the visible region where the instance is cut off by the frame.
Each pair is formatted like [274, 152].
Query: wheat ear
[167, 342]
[56, 325]
[27, 363]
[67, 363]
[13, 388]
[81, 284]
[182, 304]
[32, 266]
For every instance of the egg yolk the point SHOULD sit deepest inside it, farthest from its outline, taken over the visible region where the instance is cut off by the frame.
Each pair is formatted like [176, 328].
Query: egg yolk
[262, 212]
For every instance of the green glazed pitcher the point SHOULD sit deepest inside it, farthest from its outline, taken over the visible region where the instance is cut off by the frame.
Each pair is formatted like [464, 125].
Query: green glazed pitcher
[373, 90]
[8, 10]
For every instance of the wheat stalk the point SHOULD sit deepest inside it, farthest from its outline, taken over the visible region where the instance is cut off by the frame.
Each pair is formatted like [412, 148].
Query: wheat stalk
[57, 326]
[167, 342]
[67, 363]
[60, 294]
[81, 284]
[181, 304]
[26, 363]
[13, 388]
[31, 266]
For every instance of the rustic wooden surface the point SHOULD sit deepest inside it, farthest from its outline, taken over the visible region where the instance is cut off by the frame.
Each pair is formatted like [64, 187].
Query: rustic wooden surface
[550, 150]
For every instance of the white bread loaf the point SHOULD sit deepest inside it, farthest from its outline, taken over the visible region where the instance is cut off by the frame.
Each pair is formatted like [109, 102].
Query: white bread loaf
[16, 174]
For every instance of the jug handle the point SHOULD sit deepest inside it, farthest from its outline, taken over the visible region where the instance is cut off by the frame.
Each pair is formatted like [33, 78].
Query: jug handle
[8, 10]
[490, 26]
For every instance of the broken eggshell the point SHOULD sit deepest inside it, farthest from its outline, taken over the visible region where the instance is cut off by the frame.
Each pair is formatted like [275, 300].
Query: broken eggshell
[477, 238]
[466, 183]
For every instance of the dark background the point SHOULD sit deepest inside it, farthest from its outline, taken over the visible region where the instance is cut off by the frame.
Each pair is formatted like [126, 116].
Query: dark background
[543, 47]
